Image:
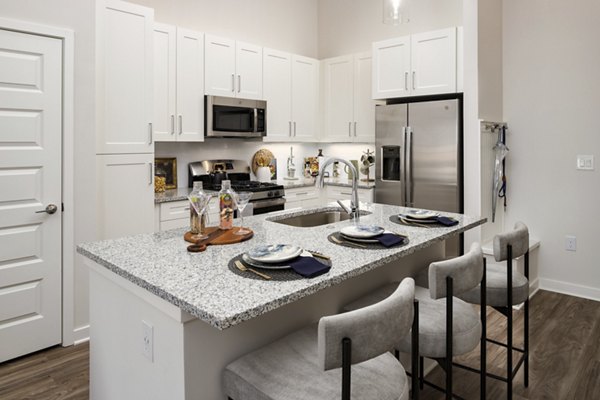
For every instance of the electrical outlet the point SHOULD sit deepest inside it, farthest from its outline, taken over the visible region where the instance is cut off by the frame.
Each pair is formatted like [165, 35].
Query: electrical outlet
[585, 162]
[570, 243]
[148, 341]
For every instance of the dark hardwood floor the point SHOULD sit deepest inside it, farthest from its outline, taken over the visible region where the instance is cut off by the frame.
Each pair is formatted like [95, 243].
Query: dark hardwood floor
[564, 363]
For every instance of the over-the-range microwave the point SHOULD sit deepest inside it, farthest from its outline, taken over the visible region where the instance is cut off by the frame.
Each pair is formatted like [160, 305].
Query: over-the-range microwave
[233, 117]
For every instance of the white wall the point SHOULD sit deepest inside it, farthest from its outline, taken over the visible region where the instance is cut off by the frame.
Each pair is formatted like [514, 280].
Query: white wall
[350, 26]
[490, 59]
[77, 15]
[551, 99]
[288, 25]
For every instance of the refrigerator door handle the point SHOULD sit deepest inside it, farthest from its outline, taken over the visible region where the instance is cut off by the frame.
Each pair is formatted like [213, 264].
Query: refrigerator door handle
[403, 154]
[408, 168]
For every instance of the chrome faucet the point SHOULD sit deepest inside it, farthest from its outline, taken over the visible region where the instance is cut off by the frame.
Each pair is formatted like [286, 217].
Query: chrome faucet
[354, 209]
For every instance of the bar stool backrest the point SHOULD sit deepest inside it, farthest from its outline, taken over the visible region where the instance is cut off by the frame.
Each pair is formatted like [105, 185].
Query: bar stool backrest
[373, 330]
[518, 239]
[466, 272]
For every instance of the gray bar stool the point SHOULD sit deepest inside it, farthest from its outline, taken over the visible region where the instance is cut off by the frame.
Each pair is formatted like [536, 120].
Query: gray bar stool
[447, 325]
[502, 296]
[306, 364]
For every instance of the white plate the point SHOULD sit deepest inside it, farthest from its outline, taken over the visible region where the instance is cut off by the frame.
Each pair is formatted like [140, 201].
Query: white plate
[274, 253]
[257, 264]
[362, 231]
[421, 214]
[362, 240]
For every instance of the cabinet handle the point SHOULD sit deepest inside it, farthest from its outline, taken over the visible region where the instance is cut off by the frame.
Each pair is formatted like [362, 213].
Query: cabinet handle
[239, 83]
[289, 128]
[150, 133]
[302, 194]
[354, 128]
[150, 181]
[232, 83]
[349, 128]
[414, 80]
[172, 124]
[406, 80]
[345, 193]
[180, 124]
[294, 128]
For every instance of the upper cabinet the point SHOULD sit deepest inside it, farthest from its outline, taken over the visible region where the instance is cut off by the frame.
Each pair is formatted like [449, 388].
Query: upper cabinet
[124, 78]
[178, 84]
[291, 88]
[349, 109]
[416, 65]
[233, 69]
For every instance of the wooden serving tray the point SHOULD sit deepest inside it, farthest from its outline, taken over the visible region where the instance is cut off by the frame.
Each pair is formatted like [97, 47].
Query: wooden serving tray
[219, 237]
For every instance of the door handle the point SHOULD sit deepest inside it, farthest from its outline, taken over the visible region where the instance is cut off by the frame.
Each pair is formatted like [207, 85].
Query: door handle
[409, 183]
[172, 124]
[50, 209]
[180, 124]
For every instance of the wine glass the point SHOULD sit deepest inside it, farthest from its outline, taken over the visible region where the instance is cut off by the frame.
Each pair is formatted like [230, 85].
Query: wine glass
[241, 201]
[199, 202]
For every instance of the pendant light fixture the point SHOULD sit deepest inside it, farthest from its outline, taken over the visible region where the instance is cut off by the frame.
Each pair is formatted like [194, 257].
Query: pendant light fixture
[394, 12]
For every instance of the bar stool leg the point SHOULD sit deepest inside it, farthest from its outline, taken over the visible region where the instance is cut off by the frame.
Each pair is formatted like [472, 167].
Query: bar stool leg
[449, 332]
[483, 349]
[421, 373]
[509, 324]
[526, 330]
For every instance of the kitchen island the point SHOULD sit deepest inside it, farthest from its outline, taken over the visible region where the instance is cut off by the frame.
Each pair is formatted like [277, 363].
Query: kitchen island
[197, 316]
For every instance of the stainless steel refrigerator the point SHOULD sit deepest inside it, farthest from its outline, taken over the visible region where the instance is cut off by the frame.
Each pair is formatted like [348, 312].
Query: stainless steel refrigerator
[419, 149]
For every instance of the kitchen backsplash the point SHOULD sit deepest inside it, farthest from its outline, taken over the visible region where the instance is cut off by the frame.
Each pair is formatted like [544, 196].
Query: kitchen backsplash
[244, 150]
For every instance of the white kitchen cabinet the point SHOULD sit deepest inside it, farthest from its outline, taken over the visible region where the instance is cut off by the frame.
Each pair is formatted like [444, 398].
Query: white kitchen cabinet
[349, 109]
[291, 89]
[460, 60]
[124, 78]
[433, 61]
[233, 69]
[416, 65]
[304, 197]
[176, 214]
[125, 194]
[335, 193]
[178, 84]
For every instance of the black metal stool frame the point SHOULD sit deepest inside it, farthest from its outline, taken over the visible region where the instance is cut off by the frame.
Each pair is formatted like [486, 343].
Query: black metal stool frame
[508, 313]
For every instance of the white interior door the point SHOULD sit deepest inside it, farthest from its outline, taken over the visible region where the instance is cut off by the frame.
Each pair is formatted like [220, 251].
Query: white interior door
[30, 178]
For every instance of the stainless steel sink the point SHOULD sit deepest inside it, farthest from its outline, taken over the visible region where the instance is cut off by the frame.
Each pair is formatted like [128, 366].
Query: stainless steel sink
[316, 219]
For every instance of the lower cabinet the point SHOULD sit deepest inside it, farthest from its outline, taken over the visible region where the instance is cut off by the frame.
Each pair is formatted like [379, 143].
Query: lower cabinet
[125, 188]
[335, 193]
[304, 197]
[176, 214]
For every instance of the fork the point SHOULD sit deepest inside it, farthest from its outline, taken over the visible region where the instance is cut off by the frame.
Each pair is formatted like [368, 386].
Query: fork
[243, 268]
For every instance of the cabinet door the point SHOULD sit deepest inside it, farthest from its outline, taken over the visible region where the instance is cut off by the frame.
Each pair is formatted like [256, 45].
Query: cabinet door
[125, 78]
[249, 69]
[433, 61]
[277, 85]
[125, 194]
[391, 67]
[339, 99]
[164, 82]
[219, 66]
[190, 86]
[364, 106]
[305, 98]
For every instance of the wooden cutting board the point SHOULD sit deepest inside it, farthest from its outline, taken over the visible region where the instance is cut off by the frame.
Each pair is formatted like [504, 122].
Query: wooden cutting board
[220, 237]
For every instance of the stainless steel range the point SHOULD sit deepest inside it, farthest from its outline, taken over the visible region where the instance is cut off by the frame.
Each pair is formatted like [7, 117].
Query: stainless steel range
[266, 196]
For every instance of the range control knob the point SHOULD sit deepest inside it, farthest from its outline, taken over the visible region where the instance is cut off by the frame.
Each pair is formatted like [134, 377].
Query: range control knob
[270, 194]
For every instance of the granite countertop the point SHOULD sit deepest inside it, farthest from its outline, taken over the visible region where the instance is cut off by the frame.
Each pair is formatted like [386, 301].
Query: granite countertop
[182, 193]
[202, 285]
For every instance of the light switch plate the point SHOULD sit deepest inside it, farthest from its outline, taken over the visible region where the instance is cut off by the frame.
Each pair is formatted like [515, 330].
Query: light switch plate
[585, 162]
[148, 341]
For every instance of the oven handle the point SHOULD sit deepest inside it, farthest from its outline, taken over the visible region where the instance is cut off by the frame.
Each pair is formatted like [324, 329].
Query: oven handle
[268, 203]
[255, 120]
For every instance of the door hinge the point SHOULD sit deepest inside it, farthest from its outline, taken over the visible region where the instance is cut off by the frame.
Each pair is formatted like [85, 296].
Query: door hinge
[62, 207]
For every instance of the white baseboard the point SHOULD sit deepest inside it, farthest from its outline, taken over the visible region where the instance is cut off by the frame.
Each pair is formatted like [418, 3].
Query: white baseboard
[81, 334]
[571, 289]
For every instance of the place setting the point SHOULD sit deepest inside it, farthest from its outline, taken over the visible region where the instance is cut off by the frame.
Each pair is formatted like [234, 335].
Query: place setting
[280, 262]
[423, 219]
[362, 236]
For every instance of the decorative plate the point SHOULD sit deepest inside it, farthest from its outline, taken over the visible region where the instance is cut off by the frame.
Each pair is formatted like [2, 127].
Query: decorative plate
[275, 253]
[421, 214]
[364, 240]
[281, 265]
[362, 231]
[262, 158]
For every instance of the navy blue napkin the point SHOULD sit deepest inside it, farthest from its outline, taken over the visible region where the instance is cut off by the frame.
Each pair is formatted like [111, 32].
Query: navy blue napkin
[309, 267]
[446, 221]
[390, 239]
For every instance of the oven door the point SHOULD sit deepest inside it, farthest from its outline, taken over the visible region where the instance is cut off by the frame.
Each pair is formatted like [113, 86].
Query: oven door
[268, 205]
